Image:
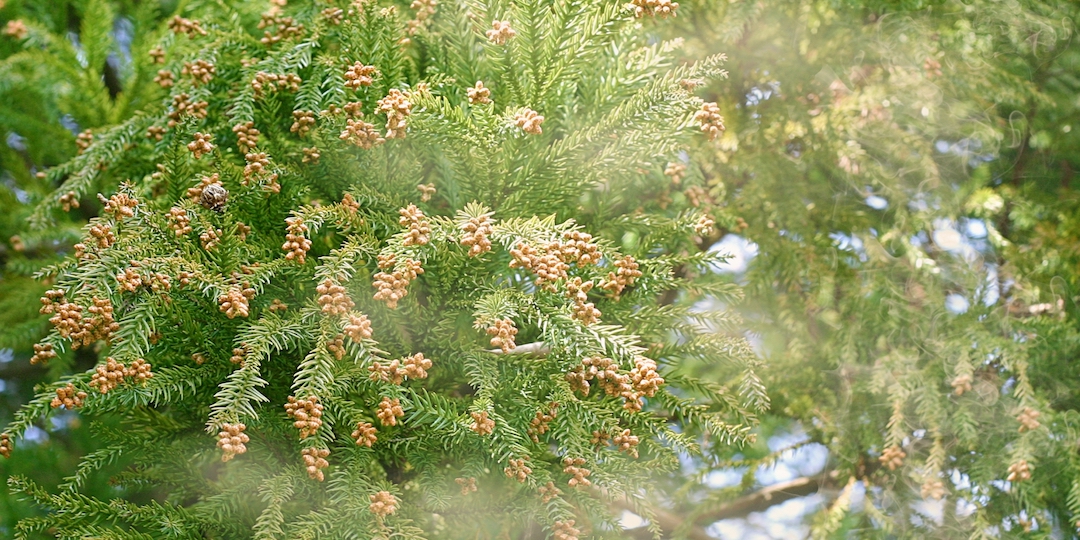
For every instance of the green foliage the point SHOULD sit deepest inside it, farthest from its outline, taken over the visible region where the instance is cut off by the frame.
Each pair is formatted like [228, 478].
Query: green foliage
[892, 159]
[188, 254]
[884, 157]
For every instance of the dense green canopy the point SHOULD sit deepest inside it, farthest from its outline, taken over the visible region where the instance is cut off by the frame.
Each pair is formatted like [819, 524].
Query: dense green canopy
[893, 182]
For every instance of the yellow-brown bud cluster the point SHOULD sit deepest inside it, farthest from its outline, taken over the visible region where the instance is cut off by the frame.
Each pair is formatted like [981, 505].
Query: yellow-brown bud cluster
[518, 469]
[577, 246]
[548, 492]
[676, 171]
[235, 301]
[350, 204]
[257, 169]
[311, 155]
[482, 425]
[625, 442]
[210, 238]
[961, 384]
[419, 228]
[502, 334]
[354, 109]
[68, 319]
[333, 299]
[129, 280]
[5, 445]
[315, 462]
[653, 8]
[180, 25]
[336, 346]
[426, 191]
[1019, 471]
[232, 441]
[43, 352]
[157, 55]
[468, 485]
[303, 121]
[392, 286]
[84, 140]
[69, 200]
[306, 413]
[642, 380]
[644, 377]
[397, 108]
[704, 225]
[201, 71]
[358, 327]
[179, 221]
[539, 425]
[573, 467]
[424, 10]
[182, 106]
[333, 15]
[500, 32]
[932, 489]
[529, 121]
[362, 134]
[552, 263]
[102, 233]
[238, 355]
[564, 530]
[49, 300]
[17, 29]
[296, 243]
[478, 94]
[1029, 419]
[383, 504]
[583, 310]
[164, 79]
[247, 136]
[264, 82]
[280, 28]
[67, 316]
[624, 276]
[358, 75]
[139, 370]
[389, 411]
[68, 398]
[109, 375]
[202, 144]
[600, 438]
[413, 367]
[711, 121]
[893, 457]
[597, 367]
[475, 235]
[547, 266]
[365, 434]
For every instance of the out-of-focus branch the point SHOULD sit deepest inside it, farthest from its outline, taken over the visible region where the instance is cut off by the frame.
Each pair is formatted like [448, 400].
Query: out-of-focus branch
[763, 499]
[668, 522]
[758, 501]
[538, 348]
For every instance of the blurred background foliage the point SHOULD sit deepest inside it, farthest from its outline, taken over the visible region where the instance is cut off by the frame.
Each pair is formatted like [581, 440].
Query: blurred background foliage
[904, 170]
[895, 182]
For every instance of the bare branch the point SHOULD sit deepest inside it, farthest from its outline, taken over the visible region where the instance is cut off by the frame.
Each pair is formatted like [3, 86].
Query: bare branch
[538, 348]
[667, 521]
[765, 498]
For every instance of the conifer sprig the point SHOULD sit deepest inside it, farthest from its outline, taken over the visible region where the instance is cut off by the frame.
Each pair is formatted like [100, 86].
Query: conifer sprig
[354, 275]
